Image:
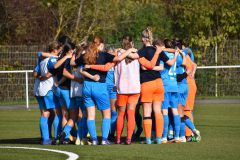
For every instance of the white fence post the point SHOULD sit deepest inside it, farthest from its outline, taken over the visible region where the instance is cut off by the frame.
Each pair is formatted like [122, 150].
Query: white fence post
[27, 97]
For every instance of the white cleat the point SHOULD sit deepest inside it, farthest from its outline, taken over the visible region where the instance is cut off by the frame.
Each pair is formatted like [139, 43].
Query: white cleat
[197, 135]
[78, 142]
[164, 141]
[182, 139]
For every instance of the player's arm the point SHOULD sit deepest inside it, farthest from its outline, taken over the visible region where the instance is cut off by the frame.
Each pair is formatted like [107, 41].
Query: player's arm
[171, 62]
[68, 75]
[46, 54]
[188, 64]
[158, 68]
[62, 60]
[124, 55]
[86, 74]
[45, 77]
[169, 50]
[151, 64]
[103, 68]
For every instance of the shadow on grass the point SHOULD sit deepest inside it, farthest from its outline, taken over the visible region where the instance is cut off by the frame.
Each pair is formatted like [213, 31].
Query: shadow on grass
[20, 141]
[37, 140]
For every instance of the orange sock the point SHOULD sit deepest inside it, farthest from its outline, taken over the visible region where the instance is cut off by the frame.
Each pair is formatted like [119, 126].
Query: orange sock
[120, 123]
[130, 123]
[188, 131]
[159, 124]
[147, 126]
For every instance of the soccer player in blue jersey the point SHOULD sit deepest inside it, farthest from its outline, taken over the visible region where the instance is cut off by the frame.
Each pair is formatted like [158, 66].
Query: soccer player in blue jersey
[44, 94]
[95, 93]
[182, 73]
[113, 97]
[169, 78]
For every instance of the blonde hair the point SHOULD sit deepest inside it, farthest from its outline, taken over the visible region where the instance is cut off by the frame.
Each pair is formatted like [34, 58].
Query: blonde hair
[147, 33]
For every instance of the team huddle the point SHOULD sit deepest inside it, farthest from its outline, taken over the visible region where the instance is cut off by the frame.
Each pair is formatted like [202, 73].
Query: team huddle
[72, 81]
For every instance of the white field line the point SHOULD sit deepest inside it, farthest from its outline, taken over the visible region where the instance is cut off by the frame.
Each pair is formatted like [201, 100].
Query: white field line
[71, 156]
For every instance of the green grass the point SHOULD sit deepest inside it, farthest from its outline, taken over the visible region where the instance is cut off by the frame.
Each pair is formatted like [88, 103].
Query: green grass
[219, 126]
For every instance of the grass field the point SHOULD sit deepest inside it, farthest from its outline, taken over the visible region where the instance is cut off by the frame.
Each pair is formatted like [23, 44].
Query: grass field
[219, 126]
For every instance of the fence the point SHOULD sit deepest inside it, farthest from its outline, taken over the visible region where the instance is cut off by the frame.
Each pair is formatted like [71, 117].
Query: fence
[17, 86]
[222, 80]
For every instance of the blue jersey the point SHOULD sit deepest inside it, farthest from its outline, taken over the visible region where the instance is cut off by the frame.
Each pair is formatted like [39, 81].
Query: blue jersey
[189, 52]
[180, 68]
[39, 59]
[52, 61]
[169, 74]
[110, 77]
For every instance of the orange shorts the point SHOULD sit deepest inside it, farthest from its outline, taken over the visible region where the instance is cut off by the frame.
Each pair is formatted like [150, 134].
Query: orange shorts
[124, 99]
[152, 91]
[192, 89]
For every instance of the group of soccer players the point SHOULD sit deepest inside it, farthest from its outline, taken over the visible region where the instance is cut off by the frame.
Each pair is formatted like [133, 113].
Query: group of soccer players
[72, 81]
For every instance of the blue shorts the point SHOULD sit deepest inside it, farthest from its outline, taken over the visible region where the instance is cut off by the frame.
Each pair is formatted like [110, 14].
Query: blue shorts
[170, 100]
[96, 94]
[46, 102]
[182, 93]
[112, 91]
[64, 98]
[56, 101]
[77, 102]
[56, 91]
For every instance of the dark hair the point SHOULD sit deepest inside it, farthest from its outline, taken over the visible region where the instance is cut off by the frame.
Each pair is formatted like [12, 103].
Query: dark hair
[158, 42]
[178, 44]
[62, 40]
[168, 43]
[67, 47]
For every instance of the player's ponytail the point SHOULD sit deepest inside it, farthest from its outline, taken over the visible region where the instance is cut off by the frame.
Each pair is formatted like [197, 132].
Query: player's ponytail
[147, 33]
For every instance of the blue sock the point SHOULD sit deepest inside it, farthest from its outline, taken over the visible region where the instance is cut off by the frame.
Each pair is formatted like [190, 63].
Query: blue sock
[50, 122]
[67, 129]
[57, 125]
[182, 128]
[80, 129]
[177, 123]
[165, 127]
[105, 128]
[92, 129]
[44, 128]
[84, 127]
[113, 121]
[189, 123]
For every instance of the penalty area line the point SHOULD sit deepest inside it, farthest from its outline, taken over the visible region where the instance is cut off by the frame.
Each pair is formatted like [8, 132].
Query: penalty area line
[71, 156]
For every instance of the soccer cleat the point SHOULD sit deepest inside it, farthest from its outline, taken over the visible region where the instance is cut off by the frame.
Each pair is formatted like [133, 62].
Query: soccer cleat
[47, 142]
[189, 139]
[105, 143]
[118, 141]
[170, 134]
[183, 139]
[128, 141]
[197, 135]
[164, 141]
[61, 137]
[85, 141]
[148, 141]
[95, 142]
[66, 141]
[158, 140]
[78, 142]
[177, 140]
[111, 137]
